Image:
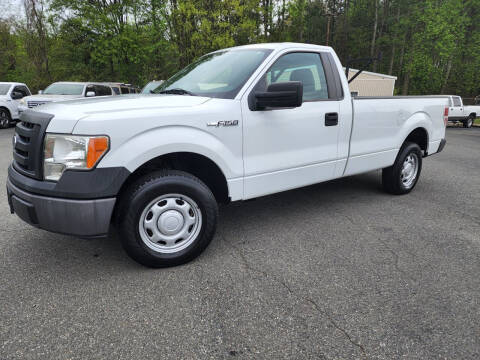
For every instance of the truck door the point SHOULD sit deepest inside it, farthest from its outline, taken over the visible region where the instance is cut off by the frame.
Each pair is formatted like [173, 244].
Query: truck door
[456, 111]
[286, 148]
[21, 90]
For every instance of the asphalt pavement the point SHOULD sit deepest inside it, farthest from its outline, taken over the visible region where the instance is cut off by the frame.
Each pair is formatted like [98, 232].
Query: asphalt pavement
[338, 270]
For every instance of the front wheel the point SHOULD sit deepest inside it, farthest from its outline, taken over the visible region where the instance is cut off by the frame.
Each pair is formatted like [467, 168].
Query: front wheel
[167, 218]
[468, 122]
[5, 119]
[402, 176]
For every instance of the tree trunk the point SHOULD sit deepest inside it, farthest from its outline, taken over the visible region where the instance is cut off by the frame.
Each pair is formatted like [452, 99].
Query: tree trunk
[382, 25]
[447, 75]
[329, 19]
[394, 45]
[374, 35]
[344, 45]
[406, 82]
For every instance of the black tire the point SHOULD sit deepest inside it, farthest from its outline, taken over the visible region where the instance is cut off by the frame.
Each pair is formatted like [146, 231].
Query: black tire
[142, 193]
[5, 118]
[468, 122]
[392, 176]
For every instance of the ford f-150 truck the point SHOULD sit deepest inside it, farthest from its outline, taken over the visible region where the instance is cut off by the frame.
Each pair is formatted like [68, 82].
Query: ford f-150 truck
[462, 113]
[237, 124]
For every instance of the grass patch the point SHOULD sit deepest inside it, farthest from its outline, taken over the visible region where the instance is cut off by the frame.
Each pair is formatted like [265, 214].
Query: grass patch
[477, 122]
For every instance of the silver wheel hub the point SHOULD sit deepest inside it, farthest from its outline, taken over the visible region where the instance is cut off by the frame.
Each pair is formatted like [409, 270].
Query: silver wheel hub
[170, 223]
[409, 170]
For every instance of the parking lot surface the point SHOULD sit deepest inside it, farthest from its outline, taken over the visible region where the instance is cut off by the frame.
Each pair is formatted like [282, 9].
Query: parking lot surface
[338, 270]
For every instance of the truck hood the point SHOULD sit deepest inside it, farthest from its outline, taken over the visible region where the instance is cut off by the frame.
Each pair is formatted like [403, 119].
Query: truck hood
[68, 113]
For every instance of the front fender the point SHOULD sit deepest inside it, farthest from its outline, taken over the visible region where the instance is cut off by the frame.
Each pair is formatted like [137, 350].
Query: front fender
[153, 143]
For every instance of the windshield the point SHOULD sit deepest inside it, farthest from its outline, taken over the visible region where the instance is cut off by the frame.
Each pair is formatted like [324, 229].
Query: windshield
[221, 74]
[64, 89]
[4, 89]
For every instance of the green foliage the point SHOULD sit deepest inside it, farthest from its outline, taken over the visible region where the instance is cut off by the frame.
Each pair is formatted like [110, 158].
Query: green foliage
[432, 46]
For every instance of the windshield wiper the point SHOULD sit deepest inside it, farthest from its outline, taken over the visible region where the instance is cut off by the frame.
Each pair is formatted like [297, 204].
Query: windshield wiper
[176, 91]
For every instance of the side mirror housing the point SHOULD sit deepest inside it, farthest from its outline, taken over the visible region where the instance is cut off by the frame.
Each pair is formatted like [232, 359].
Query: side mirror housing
[90, 93]
[40, 92]
[17, 95]
[279, 95]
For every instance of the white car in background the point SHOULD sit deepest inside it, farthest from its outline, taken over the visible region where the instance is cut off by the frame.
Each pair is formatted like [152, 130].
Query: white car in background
[60, 91]
[10, 95]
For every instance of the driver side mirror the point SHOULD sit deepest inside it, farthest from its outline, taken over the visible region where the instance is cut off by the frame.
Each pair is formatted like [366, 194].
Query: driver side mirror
[90, 93]
[17, 95]
[279, 95]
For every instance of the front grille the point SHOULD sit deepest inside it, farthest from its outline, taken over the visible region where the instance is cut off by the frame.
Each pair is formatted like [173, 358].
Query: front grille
[32, 104]
[28, 143]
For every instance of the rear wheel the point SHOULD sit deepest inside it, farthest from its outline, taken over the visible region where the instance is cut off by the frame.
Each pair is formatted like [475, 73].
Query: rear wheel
[402, 176]
[5, 119]
[167, 218]
[468, 122]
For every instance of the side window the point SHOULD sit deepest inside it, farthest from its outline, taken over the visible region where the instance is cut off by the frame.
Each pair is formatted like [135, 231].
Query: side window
[125, 90]
[301, 66]
[26, 91]
[22, 90]
[116, 90]
[103, 90]
[456, 101]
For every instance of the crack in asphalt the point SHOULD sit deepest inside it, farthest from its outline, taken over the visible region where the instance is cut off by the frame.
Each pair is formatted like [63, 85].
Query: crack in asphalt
[315, 305]
[366, 228]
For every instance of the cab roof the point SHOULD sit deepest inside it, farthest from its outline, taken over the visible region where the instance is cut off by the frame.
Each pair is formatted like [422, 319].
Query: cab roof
[282, 46]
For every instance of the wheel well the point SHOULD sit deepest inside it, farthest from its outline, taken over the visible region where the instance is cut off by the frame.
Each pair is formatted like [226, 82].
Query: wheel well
[474, 115]
[8, 111]
[419, 136]
[194, 164]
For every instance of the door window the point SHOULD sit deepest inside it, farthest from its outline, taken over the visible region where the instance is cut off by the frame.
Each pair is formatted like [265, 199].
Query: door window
[300, 66]
[456, 101]
[22, 90]
[101, 90]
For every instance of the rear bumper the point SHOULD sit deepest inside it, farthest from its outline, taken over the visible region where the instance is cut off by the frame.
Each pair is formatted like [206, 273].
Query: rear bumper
[83, 218]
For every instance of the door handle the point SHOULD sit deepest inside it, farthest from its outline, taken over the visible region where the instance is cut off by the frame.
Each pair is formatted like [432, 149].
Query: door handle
[331, 119]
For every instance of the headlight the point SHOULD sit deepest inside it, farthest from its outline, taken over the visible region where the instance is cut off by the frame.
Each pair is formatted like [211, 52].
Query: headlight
[63, 152]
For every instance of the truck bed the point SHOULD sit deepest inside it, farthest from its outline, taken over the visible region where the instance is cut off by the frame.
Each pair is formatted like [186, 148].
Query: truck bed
[381, 124]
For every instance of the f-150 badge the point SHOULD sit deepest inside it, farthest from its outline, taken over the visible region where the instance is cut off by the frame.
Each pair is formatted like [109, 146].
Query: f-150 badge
[223, 123]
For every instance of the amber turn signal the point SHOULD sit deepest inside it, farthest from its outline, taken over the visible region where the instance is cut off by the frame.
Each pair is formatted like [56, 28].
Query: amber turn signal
[97, 146]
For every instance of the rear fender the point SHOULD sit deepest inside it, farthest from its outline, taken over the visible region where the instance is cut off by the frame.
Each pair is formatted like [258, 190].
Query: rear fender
[417, 120]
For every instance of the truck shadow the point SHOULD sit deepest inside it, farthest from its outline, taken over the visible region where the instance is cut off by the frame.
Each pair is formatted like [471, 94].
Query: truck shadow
[53, 252]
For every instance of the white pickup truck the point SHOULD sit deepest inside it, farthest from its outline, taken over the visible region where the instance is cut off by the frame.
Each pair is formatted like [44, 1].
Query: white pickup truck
[459, 112]
[66, 90]
[11, 94]
[237, 124]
